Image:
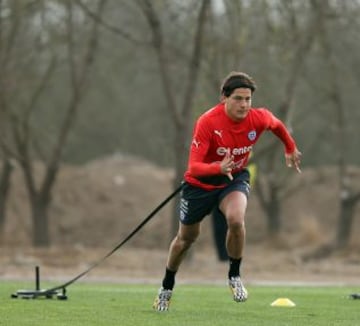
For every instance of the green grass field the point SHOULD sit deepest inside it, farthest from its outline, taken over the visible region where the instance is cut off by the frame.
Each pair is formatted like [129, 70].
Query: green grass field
[121, 304]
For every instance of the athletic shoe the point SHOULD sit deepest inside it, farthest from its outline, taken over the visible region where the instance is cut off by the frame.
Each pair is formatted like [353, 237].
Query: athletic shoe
[238, 290]
[162, 300]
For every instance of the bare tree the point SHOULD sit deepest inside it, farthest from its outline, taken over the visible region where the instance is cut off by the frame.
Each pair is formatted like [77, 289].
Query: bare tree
[349, 196]
[20, 142]
[272, 186]
[6, 45]
[181, 113]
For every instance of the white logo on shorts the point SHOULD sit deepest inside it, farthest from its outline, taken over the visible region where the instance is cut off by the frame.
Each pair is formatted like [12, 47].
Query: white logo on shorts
[183, 208]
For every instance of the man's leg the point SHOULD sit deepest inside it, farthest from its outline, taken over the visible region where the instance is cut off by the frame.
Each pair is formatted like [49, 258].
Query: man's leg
[185, 237]
[233, 206]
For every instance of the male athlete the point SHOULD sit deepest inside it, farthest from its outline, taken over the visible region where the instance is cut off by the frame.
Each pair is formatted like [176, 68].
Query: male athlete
[216, 176]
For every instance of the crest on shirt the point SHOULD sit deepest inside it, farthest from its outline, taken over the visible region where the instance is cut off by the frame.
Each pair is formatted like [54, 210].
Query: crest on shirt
[252, 135]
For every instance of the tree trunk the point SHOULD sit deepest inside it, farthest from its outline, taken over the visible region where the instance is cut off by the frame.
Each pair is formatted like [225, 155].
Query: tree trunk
[273, 211]
[40, 218]
[270, 198]
[4, 191]
[345, 221]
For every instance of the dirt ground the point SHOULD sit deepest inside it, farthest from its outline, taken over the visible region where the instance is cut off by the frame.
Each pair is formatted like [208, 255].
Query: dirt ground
[97, 205]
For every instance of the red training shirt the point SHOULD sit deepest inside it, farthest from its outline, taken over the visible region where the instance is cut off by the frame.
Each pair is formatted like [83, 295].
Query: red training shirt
[215, 133]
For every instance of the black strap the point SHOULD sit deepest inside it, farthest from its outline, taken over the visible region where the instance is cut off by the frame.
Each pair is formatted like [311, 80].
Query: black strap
[147, 219]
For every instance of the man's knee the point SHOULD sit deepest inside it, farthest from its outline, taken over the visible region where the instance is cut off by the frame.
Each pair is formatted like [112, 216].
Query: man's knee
[236, 226]
[187, 237]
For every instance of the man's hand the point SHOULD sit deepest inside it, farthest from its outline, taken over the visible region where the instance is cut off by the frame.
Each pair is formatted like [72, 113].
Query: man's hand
[227, 164]
[293, 159]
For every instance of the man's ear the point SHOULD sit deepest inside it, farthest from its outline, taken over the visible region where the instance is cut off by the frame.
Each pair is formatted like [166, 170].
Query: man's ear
[222, 98]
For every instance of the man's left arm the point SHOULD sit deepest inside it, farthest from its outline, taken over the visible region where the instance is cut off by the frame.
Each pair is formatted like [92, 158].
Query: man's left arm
[292, 154]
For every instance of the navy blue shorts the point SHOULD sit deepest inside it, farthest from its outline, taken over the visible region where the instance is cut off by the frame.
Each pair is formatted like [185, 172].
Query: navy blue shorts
[196, 203]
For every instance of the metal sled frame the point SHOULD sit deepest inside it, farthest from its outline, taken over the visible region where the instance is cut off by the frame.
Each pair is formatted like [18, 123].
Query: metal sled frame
[37, 293]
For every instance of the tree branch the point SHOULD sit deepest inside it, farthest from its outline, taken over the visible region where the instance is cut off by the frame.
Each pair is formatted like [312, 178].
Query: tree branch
[111, 28]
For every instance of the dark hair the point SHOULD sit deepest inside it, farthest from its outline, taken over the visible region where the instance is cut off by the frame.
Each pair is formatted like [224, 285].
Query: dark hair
[237, 80]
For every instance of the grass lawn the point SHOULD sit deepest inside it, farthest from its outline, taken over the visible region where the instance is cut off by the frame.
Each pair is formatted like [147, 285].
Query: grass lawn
[122, 304]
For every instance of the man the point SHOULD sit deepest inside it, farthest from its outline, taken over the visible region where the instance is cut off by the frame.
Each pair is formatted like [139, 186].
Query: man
[217, 177]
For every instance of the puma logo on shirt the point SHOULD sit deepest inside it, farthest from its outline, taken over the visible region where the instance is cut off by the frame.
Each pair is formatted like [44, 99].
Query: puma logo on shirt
[218, 132]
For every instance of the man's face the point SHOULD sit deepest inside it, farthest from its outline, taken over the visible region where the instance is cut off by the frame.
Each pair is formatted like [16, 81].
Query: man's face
[238, 104]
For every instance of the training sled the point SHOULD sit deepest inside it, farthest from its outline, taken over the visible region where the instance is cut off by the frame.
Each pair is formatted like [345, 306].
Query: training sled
[38, 293]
